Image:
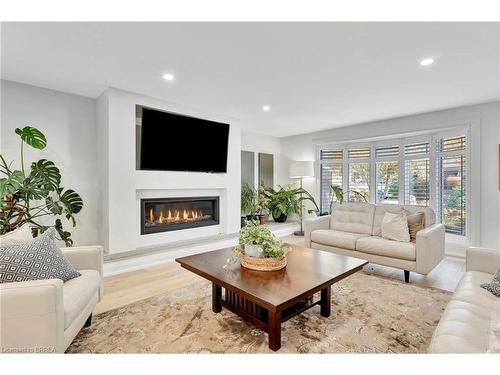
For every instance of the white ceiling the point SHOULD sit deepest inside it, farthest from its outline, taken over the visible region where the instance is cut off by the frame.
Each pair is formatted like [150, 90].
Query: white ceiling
[314, 75]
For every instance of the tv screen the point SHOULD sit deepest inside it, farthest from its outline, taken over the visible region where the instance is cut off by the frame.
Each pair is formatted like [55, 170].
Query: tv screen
[172, 142]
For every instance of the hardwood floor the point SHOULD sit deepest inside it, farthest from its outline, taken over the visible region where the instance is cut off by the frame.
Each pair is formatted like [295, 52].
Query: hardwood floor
[126, 288]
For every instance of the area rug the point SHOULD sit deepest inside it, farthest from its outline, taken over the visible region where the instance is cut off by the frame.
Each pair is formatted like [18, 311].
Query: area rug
[370, 314]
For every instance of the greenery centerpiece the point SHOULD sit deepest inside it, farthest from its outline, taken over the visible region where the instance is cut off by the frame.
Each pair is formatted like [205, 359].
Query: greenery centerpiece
[34, 194]
[259, 247]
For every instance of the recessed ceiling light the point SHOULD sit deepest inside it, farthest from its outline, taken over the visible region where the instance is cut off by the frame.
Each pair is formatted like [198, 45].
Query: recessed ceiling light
[427, 61]
[266, 108]
[168, 77]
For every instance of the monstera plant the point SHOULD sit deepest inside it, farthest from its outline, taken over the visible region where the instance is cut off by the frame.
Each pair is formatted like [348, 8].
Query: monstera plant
[35, 195]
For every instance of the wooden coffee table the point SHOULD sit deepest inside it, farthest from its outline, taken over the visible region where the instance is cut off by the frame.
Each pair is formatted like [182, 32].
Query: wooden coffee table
[267, 299]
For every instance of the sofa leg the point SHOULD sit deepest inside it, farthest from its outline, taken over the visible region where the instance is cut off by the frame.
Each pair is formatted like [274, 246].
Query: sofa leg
[88, 322]
[407, 276]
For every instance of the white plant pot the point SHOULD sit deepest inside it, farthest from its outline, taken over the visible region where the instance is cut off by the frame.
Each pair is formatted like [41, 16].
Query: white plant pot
[254, 251]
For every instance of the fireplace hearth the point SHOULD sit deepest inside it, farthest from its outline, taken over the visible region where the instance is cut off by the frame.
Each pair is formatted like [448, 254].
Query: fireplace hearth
[168, 214]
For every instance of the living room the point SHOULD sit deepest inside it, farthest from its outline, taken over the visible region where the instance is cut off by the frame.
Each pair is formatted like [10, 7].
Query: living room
[250, 187]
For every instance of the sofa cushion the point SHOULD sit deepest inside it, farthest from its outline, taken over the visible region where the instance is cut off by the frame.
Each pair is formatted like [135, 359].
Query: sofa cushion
[494, 285]
[77, 293]
[395, 227]
[17, 236]
[388, 248]
[353, 217]
[37, 259]
[466, 324]
[381, 209]
[416, 222]
[344, 240]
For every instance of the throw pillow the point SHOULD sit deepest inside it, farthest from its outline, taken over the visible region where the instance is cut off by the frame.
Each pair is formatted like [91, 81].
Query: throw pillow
[37, 259]
[494, 285]
[395, 227]
[17, 236]
[416, 222]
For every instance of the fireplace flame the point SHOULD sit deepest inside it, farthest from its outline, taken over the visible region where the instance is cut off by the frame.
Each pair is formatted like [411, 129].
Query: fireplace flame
[174, 216]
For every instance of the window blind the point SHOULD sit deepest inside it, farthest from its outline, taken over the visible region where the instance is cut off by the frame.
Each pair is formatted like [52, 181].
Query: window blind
[417, 184]
[387, 151]
[331, 174]
[417, 148]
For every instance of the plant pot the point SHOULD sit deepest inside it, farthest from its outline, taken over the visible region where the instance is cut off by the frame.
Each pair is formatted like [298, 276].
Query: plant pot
[252, 217]
[243, 221]
[279, 219]
[262, 219]
[254, 251]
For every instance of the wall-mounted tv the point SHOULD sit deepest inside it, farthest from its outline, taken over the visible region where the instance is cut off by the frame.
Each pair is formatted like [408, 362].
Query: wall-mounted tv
[172, 142]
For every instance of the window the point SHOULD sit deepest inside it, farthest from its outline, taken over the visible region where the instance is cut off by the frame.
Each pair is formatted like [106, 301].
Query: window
[331, 175]
[359, 174]
[359, 182]
[429, 170]
[387, 174]
[387, 182]
[331, 164]
[417, 187]
[451, 184]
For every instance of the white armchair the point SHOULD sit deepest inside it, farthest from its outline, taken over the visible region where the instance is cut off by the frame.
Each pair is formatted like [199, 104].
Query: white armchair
[46, 315]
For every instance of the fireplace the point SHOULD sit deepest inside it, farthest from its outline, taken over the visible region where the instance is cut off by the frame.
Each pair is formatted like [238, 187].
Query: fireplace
[167, 214]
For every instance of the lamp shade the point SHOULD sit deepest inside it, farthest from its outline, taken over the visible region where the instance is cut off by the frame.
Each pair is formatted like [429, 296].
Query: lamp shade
[301, 169]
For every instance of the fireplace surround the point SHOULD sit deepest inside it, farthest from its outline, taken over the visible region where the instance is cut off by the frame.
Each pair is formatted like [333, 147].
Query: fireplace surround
[169, 214]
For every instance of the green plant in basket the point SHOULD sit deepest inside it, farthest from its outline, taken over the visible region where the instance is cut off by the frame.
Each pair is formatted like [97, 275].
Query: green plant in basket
[255, 234]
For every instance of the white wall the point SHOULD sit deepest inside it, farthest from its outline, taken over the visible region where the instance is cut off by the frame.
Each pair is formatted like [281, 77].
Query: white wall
[126, 185]
[267, 144]
[302, 147]
[68, 122]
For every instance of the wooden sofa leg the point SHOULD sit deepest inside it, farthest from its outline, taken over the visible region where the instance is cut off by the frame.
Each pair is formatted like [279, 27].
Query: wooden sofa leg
[407, 276]
[88, 322]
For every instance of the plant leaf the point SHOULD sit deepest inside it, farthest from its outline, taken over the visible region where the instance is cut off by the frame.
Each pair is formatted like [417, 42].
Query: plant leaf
[53, 206]
[72, 204]
[46, 173]
[12, 183]
[32, 136]
[65, 236]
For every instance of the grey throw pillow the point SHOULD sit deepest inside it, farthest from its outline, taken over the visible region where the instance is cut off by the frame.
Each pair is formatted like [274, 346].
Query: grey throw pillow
[494, 285]
[38, 259]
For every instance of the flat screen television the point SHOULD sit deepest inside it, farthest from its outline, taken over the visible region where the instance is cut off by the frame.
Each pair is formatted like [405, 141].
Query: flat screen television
[173, 142]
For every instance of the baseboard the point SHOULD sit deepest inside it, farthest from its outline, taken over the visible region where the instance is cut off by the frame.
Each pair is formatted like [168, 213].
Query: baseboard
[133, 261]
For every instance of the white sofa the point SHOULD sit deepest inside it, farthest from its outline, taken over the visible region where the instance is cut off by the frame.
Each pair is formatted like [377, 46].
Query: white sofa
[353, 229]
[46, 315]
[469, 319]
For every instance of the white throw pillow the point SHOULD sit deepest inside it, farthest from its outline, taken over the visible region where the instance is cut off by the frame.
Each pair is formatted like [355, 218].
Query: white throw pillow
[17, 236]
[395, 227]
[495, 340]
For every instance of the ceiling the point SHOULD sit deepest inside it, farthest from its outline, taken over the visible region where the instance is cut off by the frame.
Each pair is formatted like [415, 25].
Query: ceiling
[313, 75]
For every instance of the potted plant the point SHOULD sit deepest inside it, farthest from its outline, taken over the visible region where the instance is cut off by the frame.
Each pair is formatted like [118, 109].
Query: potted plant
[27, 195]
[248, 203]
[260, 249]
[339, 195]
[285, 201]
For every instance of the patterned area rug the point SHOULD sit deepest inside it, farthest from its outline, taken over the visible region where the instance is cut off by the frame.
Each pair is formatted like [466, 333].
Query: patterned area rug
[370, 314]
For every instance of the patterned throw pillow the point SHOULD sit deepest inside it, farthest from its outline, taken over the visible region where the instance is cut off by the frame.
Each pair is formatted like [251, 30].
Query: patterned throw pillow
[494, 285]
[38, 259]
[415, 223]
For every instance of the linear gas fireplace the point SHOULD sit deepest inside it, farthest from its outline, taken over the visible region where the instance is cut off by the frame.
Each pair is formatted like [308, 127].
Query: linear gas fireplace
[166, 214]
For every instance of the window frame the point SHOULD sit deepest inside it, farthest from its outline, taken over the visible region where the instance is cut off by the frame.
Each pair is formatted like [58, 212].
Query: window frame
[470, 129]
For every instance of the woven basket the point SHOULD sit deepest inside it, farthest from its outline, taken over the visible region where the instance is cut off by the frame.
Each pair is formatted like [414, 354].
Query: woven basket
[263, 264]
